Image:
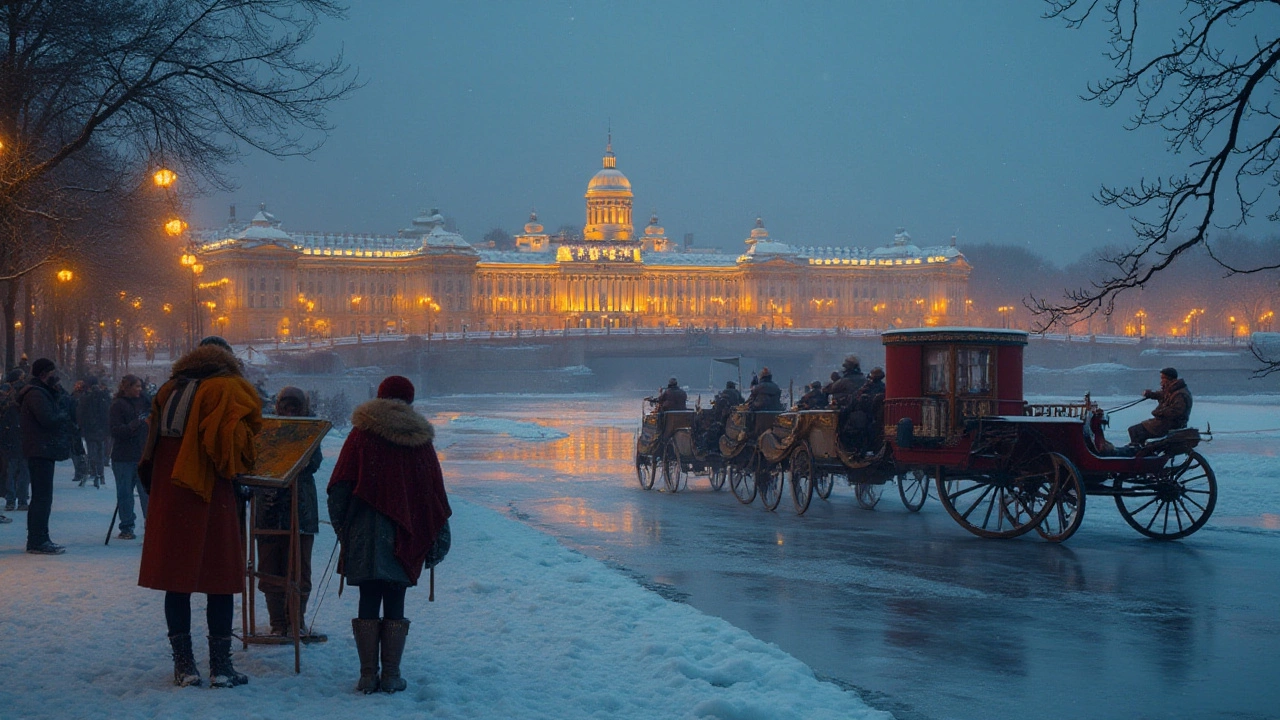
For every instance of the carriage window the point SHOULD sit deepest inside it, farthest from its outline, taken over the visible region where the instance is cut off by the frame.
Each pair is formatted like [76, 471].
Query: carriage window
[937, 365]
[973, 371]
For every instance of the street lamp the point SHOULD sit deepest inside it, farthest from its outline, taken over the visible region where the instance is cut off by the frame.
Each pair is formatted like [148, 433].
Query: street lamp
[1004, 311]
[164, 177]
[1141, 317]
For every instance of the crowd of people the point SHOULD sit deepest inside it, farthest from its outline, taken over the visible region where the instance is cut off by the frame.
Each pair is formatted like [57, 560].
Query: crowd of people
[182, 447]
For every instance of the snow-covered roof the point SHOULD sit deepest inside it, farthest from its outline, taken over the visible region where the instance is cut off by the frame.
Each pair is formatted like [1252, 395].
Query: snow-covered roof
[440, 240]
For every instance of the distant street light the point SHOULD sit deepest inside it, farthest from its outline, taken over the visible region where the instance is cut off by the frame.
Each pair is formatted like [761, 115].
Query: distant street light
[164, 177]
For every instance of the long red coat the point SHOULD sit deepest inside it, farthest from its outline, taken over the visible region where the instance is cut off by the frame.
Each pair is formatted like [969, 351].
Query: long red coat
[193, 541]
[190, 545]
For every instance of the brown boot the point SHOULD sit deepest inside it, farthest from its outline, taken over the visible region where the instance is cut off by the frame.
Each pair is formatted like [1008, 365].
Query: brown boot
[393, 635]
[366, 634]
[185, 672]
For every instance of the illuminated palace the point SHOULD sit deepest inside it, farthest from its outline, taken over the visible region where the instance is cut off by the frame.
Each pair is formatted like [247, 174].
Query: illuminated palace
[269, 283]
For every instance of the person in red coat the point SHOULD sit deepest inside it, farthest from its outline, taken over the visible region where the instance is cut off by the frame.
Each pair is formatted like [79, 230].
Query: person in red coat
[200, 436]
[388, 506]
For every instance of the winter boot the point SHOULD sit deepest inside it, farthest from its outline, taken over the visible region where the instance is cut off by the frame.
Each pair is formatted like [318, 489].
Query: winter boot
[185, 671]
[222, 674]
[366, 634]
[277, 612]
[393, 635]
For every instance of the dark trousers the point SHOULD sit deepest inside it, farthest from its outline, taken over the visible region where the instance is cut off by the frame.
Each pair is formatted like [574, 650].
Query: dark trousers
[218, 614]
[41, 472]
[273, 558]
[97, 453]
[380, 594]
[1148, 429]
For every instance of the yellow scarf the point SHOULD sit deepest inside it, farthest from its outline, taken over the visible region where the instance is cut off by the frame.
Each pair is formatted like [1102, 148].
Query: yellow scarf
[225, 416]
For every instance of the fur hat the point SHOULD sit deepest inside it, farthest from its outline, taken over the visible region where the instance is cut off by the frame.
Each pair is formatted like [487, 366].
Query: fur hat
[876, 373]
[1171, 373]
[42, 366]
[294, 394]
[396, 387]
[852, 362]
[673, 383]
[215, 340]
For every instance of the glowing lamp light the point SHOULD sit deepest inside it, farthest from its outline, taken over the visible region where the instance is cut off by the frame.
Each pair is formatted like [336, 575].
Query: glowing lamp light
[65, 275]
[187, 260]
[164, 177]
[175, 227]
[197, 268]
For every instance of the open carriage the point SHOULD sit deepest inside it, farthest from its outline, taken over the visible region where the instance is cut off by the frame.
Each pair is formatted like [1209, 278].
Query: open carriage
[675, 443]
[739, 452]
[806, 450]
[954, 409]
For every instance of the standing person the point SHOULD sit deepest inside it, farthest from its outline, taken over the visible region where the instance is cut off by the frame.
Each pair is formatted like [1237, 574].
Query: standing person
[79, 459]
[91, 415]
[388, 505]
[275, 513]
[127, 421]
[207, 415]
[47, 431]
[765, 394]
[16, 478]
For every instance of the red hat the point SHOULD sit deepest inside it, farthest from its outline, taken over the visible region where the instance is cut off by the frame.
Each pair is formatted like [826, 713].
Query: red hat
[396, 387]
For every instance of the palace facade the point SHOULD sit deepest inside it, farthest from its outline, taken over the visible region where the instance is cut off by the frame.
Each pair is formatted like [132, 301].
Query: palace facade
[273, 284]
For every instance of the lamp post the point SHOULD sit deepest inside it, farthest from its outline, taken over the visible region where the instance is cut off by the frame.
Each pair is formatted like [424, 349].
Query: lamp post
[1004, 311]
[1141, 317]
[60, 346]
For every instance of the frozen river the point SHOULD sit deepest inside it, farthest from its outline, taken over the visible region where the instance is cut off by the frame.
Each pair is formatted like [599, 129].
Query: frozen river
[908, 610]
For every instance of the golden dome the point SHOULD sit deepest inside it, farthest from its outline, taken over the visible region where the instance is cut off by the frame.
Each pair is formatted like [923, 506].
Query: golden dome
[609, 180]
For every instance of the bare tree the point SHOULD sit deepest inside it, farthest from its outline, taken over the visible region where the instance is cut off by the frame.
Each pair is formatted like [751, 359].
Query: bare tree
[127, 85]
[500, 239]
[1212, 91]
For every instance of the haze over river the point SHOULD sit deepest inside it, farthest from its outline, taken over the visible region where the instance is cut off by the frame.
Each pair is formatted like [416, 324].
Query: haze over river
[910, 611]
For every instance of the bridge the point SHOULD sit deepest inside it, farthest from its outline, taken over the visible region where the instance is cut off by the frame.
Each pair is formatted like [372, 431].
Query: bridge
[593, 357]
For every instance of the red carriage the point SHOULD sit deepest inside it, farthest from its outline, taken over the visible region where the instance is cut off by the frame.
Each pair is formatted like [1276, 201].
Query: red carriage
[954, 408]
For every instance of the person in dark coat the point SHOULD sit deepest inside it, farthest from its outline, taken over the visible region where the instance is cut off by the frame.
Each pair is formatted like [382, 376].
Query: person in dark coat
[765, 395]
[92, 410]
[845, 390]
[813, 398]
[388, 505]
[127, 422]
[47, 432]
[275, 512]
[1172, 412]
[726, 400]
[194, 542]
[672, 397]
[16, 478]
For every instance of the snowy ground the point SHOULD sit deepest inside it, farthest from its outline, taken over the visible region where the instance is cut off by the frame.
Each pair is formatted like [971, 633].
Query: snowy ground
[521, 627]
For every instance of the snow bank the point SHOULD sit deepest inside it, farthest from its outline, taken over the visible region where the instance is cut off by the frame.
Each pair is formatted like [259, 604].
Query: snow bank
[521, 627]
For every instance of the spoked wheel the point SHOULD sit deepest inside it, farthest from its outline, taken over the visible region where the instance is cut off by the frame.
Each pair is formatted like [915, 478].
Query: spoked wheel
[802, 478]
[672, 471]
[823, 482]
[1002, 504]
[867, 494]
[646, 470]
[771, 482]
[719, 472]
[1068, 506]
[913, 488]
[1173, 502]
[742, 482]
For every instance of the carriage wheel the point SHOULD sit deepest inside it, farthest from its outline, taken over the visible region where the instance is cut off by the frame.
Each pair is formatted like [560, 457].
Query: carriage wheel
[823, 482]
[1001, 504]
[719, 472]
[771, 482]
[1172, 503]
[742, 482]
[672, 470]
[646, 470]
[802, 478]
[913, 488]
[1068, 507]
[868, 494]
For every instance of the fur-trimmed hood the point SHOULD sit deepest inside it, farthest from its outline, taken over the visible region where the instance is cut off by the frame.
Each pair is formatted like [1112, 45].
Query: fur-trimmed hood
[206, 361]
[394, 421]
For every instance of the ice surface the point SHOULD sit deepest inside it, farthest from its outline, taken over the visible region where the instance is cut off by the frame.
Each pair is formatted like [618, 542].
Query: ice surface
[520, 429]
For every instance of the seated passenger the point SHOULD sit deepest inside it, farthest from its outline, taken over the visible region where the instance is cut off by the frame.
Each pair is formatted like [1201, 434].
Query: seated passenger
[671, 398]
[766, 395]
[813, 398]
[845, 390]
[872, 391]
[726, 400]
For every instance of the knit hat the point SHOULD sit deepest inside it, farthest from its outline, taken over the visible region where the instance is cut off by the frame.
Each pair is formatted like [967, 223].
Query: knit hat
[396, 387]
[42, 366]
[1171, 373]
[215, 340]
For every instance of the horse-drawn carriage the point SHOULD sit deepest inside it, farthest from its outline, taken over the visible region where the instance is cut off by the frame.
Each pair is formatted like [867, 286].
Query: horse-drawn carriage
[954, 408]
[680, 443]
[954, 411]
